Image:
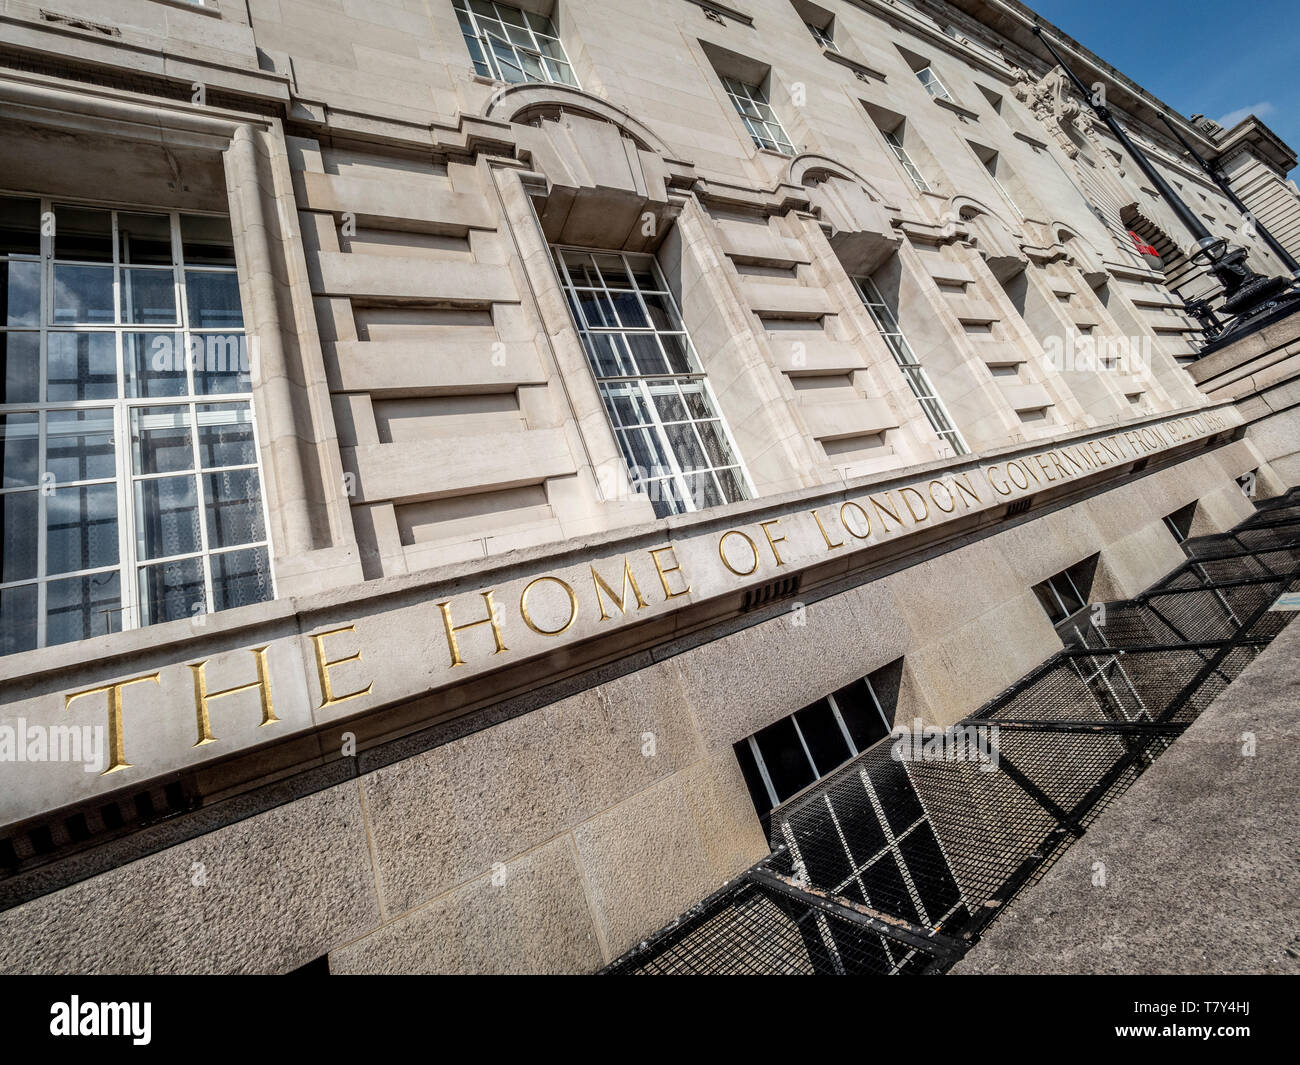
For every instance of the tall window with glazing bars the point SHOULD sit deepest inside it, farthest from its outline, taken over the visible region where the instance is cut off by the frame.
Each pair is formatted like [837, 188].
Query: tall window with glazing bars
[751, 103]
[512, 45]
[130, 491]
[677, 445]
[913, 372]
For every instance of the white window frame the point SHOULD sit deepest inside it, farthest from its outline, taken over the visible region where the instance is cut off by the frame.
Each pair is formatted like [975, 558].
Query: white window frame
[818, 773]
[670, 488]
[932, 83]
[480, 38]
[823, 35]
[936, 411]
[759, 117]
[989, 168]
[130, 561]
[905, 161]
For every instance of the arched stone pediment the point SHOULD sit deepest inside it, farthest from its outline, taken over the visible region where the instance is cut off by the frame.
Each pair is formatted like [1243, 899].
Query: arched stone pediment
[810, 168]
[991, 236]
[611, 181]
[529, 101]
[1080, 252]
[861, 231]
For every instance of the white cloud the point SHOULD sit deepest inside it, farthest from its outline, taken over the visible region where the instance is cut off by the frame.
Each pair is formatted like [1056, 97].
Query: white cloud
[1260, 110]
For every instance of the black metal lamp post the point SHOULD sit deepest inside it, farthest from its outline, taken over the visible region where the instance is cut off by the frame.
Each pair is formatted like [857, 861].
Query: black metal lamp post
[1217, 176]
[1250, 299]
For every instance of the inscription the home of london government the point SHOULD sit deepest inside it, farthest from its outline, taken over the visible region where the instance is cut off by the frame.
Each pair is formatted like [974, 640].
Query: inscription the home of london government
[477, 630]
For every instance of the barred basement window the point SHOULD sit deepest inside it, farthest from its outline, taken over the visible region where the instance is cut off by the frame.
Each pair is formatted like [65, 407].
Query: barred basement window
[914, 373]
[1066, 593]
[1179, 523]
[789, 755]
[677, 445]
[927, 77]
[905, 161]
[512, 45]
[131, 491]
[764, 127]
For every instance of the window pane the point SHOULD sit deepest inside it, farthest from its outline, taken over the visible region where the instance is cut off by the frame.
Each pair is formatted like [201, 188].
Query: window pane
[662, 314]
[84, 234]
[783, 755]
[17, 619]
[206, 240]
[860, 715]
[161, 439]
[81, 366]
[823, 735]
[686, 449]
[596, 309]
[607, 354]
[581, 271]
[83, 295]
[221, 363]
[629, 310]
[167, 517]
[667, 402]
[144, 238]
[82, 607]
[20, 369]
[226, 435]
[148, 297]
[1065, 589]
[18, 450]
[628, 404]
[1049, 603]
[240, 578]
[172, 591]
[79, 445]
[233, 502]
[20, 293]
[154, 365]
[81, 528]
[648, 357]
[733, 485]
[715, 444]
[561, 72]
[20, 226]
[613, 272]
[18, 531]
[213, 300]
[647, 452]
[678, 350]
[704, 490]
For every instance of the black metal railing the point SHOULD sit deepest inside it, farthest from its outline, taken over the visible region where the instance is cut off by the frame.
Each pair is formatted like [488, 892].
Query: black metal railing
[898, 861]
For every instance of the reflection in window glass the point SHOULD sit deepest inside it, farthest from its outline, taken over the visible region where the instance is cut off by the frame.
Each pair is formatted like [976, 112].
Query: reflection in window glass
[130, 491]
[811, 743]
[678, 448]
[512, 45]
[913, 372]
[764, 127]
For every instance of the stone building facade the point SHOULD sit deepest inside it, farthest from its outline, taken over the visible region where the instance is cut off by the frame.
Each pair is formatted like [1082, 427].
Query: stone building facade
[446, 443]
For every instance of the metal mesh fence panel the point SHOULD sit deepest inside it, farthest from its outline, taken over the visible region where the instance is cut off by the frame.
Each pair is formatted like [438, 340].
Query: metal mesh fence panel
[897, 861]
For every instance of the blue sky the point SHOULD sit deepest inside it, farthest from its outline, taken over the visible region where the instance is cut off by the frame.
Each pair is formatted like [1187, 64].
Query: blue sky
[1222, 60]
